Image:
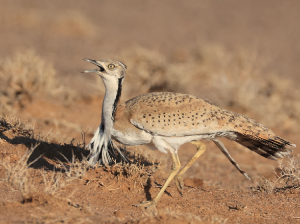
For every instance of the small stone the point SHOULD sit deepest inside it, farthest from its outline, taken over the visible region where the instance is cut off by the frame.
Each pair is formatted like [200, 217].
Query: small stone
[119, 214]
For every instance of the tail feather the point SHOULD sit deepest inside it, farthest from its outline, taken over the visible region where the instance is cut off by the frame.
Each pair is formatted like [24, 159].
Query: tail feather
[268, 147]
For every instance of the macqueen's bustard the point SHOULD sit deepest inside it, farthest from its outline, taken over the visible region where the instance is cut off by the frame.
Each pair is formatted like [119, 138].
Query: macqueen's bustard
[169, 120]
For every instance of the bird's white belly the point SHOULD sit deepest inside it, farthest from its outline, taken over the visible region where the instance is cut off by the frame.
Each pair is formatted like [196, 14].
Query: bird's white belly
[132, 138]
[172, 144]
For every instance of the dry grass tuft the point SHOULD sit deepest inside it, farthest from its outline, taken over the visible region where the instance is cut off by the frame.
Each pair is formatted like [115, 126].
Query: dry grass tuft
[287, 178]
[74, 169]
[17, 174]
[22, 77]
[139, 170]
[55, 181]
[16, 126]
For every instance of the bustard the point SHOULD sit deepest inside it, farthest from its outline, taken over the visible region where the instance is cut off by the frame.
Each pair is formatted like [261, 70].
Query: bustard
[169, 120]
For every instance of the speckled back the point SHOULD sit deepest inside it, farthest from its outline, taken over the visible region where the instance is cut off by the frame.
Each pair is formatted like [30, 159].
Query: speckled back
[175, 114]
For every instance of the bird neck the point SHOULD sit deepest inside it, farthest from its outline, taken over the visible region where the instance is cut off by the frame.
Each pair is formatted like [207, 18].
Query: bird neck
[113, 89]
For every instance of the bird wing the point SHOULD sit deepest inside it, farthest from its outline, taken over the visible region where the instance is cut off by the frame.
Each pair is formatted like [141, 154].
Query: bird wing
[174, 114]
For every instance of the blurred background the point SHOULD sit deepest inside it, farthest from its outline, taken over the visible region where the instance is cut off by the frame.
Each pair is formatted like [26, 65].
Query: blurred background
[240, 55]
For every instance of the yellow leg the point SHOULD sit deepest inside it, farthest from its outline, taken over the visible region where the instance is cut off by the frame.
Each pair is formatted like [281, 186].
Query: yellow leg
[174, 170]
[178, 178]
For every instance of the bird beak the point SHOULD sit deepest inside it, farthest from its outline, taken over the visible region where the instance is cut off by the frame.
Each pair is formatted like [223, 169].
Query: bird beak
[101, 69]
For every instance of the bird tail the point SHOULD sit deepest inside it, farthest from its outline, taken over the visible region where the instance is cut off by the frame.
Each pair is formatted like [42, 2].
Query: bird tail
[269, 147]
[102, 150]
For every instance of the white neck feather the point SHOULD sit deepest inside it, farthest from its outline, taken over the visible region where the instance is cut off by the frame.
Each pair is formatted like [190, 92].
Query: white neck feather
[111, 92]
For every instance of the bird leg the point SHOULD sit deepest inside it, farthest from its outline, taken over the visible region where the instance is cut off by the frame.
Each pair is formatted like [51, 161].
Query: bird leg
[174, 170]
[178, 178]
[226, 153]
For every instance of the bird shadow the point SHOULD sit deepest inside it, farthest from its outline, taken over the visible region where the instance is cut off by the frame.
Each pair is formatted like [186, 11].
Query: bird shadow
[147, 190]
[45, 155]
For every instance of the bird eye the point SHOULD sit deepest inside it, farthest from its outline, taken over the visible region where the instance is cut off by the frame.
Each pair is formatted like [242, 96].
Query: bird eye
[111, 66]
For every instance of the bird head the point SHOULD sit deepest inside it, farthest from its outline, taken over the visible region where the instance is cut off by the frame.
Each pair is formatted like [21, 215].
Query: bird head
[108, 69]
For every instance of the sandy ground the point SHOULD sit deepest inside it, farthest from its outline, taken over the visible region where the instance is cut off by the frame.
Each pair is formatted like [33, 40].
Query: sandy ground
[215, 191]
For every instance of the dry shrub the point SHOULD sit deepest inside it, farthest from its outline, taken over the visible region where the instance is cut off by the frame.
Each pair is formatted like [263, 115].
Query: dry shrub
[16, 126]
[22, 77]
[73, 24]
[145, 69]
[289, 173]
[287, 178]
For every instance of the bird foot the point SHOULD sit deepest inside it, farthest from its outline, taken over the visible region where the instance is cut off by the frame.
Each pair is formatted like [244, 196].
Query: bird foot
[150, 207]
[147, 204]
[179, 183]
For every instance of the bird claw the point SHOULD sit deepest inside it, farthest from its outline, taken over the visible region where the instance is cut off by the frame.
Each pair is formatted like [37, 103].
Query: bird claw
[179, 183]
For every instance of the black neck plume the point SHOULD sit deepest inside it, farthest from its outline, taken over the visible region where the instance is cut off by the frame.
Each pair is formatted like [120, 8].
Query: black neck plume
[118, 96]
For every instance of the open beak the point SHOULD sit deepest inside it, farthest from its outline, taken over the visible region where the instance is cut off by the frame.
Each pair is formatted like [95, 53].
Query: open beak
[101, 69]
